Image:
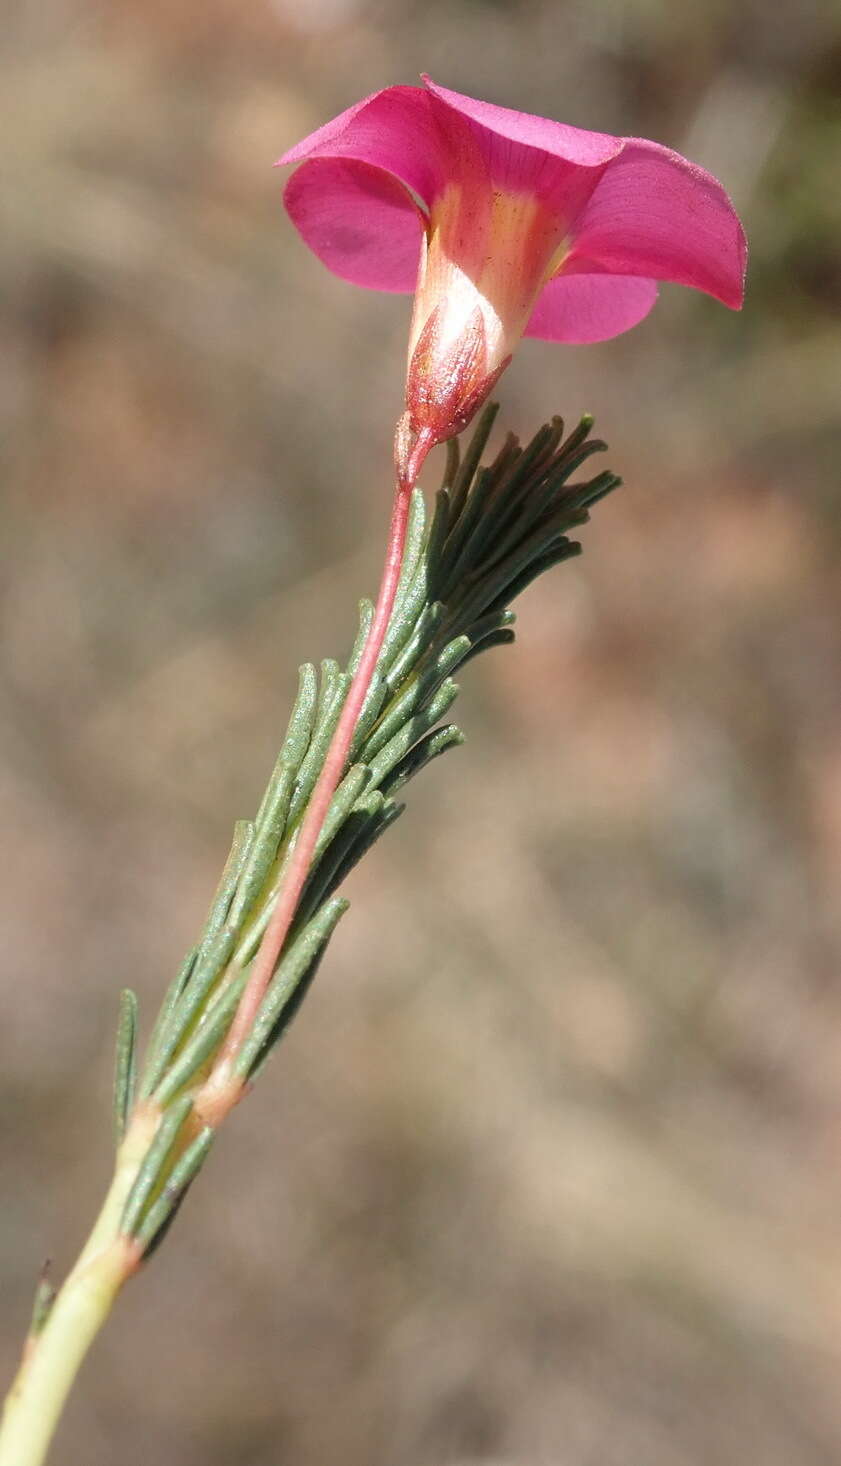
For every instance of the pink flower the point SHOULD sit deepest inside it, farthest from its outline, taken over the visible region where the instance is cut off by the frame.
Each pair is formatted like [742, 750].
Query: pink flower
[504, 225]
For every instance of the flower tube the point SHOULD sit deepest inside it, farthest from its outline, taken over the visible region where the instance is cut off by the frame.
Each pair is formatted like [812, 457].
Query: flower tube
[503, 225]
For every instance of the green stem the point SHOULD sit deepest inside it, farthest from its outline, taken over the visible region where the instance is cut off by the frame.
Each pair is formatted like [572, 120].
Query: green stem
[52, 1357]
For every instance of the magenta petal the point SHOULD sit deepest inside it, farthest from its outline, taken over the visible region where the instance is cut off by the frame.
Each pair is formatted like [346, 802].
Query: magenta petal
[654, 214]
[584, 308]
[360, 222]
[393, 130]
[573, 144]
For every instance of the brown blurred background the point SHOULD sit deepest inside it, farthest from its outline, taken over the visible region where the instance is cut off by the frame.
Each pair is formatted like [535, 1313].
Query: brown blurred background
[548, 1172]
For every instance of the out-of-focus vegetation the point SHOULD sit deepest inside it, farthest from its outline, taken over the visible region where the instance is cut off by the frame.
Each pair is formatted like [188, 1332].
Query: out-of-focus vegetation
[547, 1172]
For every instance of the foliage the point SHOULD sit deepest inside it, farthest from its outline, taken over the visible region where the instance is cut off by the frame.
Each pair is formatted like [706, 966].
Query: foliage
[493, 530]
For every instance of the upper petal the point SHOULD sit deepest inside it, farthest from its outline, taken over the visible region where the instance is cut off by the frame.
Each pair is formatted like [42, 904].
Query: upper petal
[491, 152]
[359, 220]
[392, 129]
[573, 144]
[583, 308]
[655, 214]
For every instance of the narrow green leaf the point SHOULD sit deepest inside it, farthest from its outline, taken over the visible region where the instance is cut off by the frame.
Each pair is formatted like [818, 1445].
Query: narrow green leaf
[366, 617]
[431, 746]
[582, 430]
[456, 554]
[583, 496]
[187, 1013]
[325, 727]
[403, 622]
[237, 856]
[264, 848]
[512, 527]
[493, 590]
[430, 617]
[153, 1069]
[472, 455]
[199, 971]
[300, 727]
[287, 1016]
[451, 466]
[125, 1065]
[162, 1211]
[154, 1163]
[437, 538]
[411, 697]
[203, 1042]
[492, 621]
[502, 637]
[411, 588]
[565, 550]
[371, 709]
[321, 881]
[291, 969]
[516, 489]
[564, 467]
[330, 671]
[543, 461]
[503, 472]
[393, 751]
[366, 836]
[415, 534]
[341, 804]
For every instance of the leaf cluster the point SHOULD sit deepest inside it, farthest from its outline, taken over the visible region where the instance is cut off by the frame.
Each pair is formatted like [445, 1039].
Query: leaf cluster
[492, 531]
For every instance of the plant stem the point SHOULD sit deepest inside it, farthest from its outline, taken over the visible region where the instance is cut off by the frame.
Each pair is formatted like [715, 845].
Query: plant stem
[223, 1088]
[52, 1357]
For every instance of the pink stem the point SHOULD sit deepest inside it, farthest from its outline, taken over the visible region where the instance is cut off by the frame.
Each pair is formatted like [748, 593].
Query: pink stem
[220, 1081]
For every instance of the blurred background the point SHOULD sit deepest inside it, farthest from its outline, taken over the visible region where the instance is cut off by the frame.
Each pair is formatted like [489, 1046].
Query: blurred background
[548, 1172]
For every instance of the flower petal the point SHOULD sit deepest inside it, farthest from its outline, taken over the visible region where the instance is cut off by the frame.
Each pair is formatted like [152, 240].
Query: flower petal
[573, 144]
[359, 220]
[392, 129]
[584, 308]
[655, 214]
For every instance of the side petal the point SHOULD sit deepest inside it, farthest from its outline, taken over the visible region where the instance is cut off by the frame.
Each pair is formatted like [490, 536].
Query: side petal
[362, 223]
[579, 309]
[391, 129]
[654, 214]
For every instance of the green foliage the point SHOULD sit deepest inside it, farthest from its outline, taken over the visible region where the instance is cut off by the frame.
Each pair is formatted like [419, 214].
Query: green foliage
[492, 531]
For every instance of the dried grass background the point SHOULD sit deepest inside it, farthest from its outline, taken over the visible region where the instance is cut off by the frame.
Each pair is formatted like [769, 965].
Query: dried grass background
[548, 1172]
